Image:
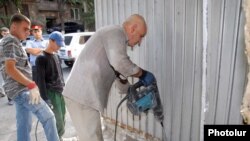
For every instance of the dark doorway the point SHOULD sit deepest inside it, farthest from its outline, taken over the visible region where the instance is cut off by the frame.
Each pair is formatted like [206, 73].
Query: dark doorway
[50, 22]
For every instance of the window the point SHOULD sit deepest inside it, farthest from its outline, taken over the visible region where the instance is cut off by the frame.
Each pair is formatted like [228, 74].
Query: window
[83, 39]
[75, 13]
[67, 40]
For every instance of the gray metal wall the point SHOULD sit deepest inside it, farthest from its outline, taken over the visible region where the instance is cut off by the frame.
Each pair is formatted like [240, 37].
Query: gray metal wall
[226, 61]
[172, 50]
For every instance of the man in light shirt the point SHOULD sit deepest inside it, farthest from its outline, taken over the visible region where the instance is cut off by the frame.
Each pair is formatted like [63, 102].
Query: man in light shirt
[36, 46]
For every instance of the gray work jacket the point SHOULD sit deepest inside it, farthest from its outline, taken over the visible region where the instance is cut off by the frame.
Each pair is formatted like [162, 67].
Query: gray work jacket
[91, 77]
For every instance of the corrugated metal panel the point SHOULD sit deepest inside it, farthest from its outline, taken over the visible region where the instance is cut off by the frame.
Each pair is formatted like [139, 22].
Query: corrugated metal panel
[226, 62]
[172, 50]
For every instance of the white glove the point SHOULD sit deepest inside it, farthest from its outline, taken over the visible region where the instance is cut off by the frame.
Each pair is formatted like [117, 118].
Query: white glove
[34, 96]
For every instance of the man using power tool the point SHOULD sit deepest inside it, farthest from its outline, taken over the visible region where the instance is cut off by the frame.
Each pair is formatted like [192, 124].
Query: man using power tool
[87, 88]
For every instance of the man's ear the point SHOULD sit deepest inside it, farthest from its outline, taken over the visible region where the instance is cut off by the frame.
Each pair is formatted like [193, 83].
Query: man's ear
[133, 28]
[14, 25]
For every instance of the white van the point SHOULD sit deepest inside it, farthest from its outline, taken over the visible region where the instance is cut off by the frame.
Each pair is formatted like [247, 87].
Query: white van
[74, 42]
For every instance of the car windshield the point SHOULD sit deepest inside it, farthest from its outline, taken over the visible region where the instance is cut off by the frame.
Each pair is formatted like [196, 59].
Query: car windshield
[67, 40]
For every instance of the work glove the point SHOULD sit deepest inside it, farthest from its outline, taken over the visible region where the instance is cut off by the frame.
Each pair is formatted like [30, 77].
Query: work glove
[147, 78]
[34, 93]
[49, 103]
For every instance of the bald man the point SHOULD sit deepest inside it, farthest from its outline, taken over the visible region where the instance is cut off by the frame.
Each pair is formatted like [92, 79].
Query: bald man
[103, 60]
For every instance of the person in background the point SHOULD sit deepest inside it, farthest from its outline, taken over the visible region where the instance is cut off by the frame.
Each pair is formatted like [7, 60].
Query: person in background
[104, 55]
[4, 32]
[36, 46]
[18, 83]
[50, 79]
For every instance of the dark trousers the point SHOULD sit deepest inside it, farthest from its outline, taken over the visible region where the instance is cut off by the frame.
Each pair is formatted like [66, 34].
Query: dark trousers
[59, 110]
[34, 73]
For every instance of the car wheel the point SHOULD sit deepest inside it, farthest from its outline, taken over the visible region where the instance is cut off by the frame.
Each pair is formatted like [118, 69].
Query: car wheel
[69, 63]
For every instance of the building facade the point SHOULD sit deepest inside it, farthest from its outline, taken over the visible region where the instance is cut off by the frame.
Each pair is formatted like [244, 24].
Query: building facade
[45, 11]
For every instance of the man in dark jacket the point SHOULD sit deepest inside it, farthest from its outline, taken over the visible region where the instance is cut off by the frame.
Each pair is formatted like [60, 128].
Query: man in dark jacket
[50, 79]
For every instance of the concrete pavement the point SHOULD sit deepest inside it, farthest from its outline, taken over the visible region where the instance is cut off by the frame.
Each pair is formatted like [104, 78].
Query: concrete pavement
[8, 126]
[8, 123]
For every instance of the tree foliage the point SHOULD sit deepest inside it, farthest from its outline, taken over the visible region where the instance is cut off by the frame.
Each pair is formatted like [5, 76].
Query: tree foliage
[4, 4]
[17, 3]
[89, 15]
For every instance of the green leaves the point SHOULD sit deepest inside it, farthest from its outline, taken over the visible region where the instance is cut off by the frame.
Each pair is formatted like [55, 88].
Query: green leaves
[5, 16]
[89, 15]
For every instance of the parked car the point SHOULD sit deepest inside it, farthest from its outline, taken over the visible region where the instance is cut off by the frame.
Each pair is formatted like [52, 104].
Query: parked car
[74, 43]
[69, 27]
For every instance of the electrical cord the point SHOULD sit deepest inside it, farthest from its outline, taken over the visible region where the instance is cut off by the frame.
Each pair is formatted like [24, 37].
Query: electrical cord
[132, 91]
[117, 114]
[162, 125]
[164, 131]
[135, 86]
[116, 122]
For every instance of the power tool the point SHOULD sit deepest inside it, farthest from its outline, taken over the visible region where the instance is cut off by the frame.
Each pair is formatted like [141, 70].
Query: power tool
[142, 99]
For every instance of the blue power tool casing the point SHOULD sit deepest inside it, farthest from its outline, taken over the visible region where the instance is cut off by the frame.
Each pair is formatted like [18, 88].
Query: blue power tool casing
[141, 99]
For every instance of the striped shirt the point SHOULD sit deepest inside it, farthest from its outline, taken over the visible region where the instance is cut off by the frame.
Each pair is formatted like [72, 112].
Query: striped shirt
[11, 49]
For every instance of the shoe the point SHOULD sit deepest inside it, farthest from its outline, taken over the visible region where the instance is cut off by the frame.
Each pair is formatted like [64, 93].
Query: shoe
[11, 102]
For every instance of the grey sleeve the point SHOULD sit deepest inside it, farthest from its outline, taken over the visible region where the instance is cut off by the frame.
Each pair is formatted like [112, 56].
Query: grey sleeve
[9, 49]
[116, 50]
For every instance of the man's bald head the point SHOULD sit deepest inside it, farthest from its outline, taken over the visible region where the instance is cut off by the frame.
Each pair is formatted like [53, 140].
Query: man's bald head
[136, 19]
[135, 28]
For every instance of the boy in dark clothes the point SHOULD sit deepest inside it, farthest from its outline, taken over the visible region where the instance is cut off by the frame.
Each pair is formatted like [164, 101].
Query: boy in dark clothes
[50, 79]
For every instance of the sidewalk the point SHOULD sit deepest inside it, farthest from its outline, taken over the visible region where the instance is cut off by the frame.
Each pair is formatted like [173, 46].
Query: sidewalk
[8, 126]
